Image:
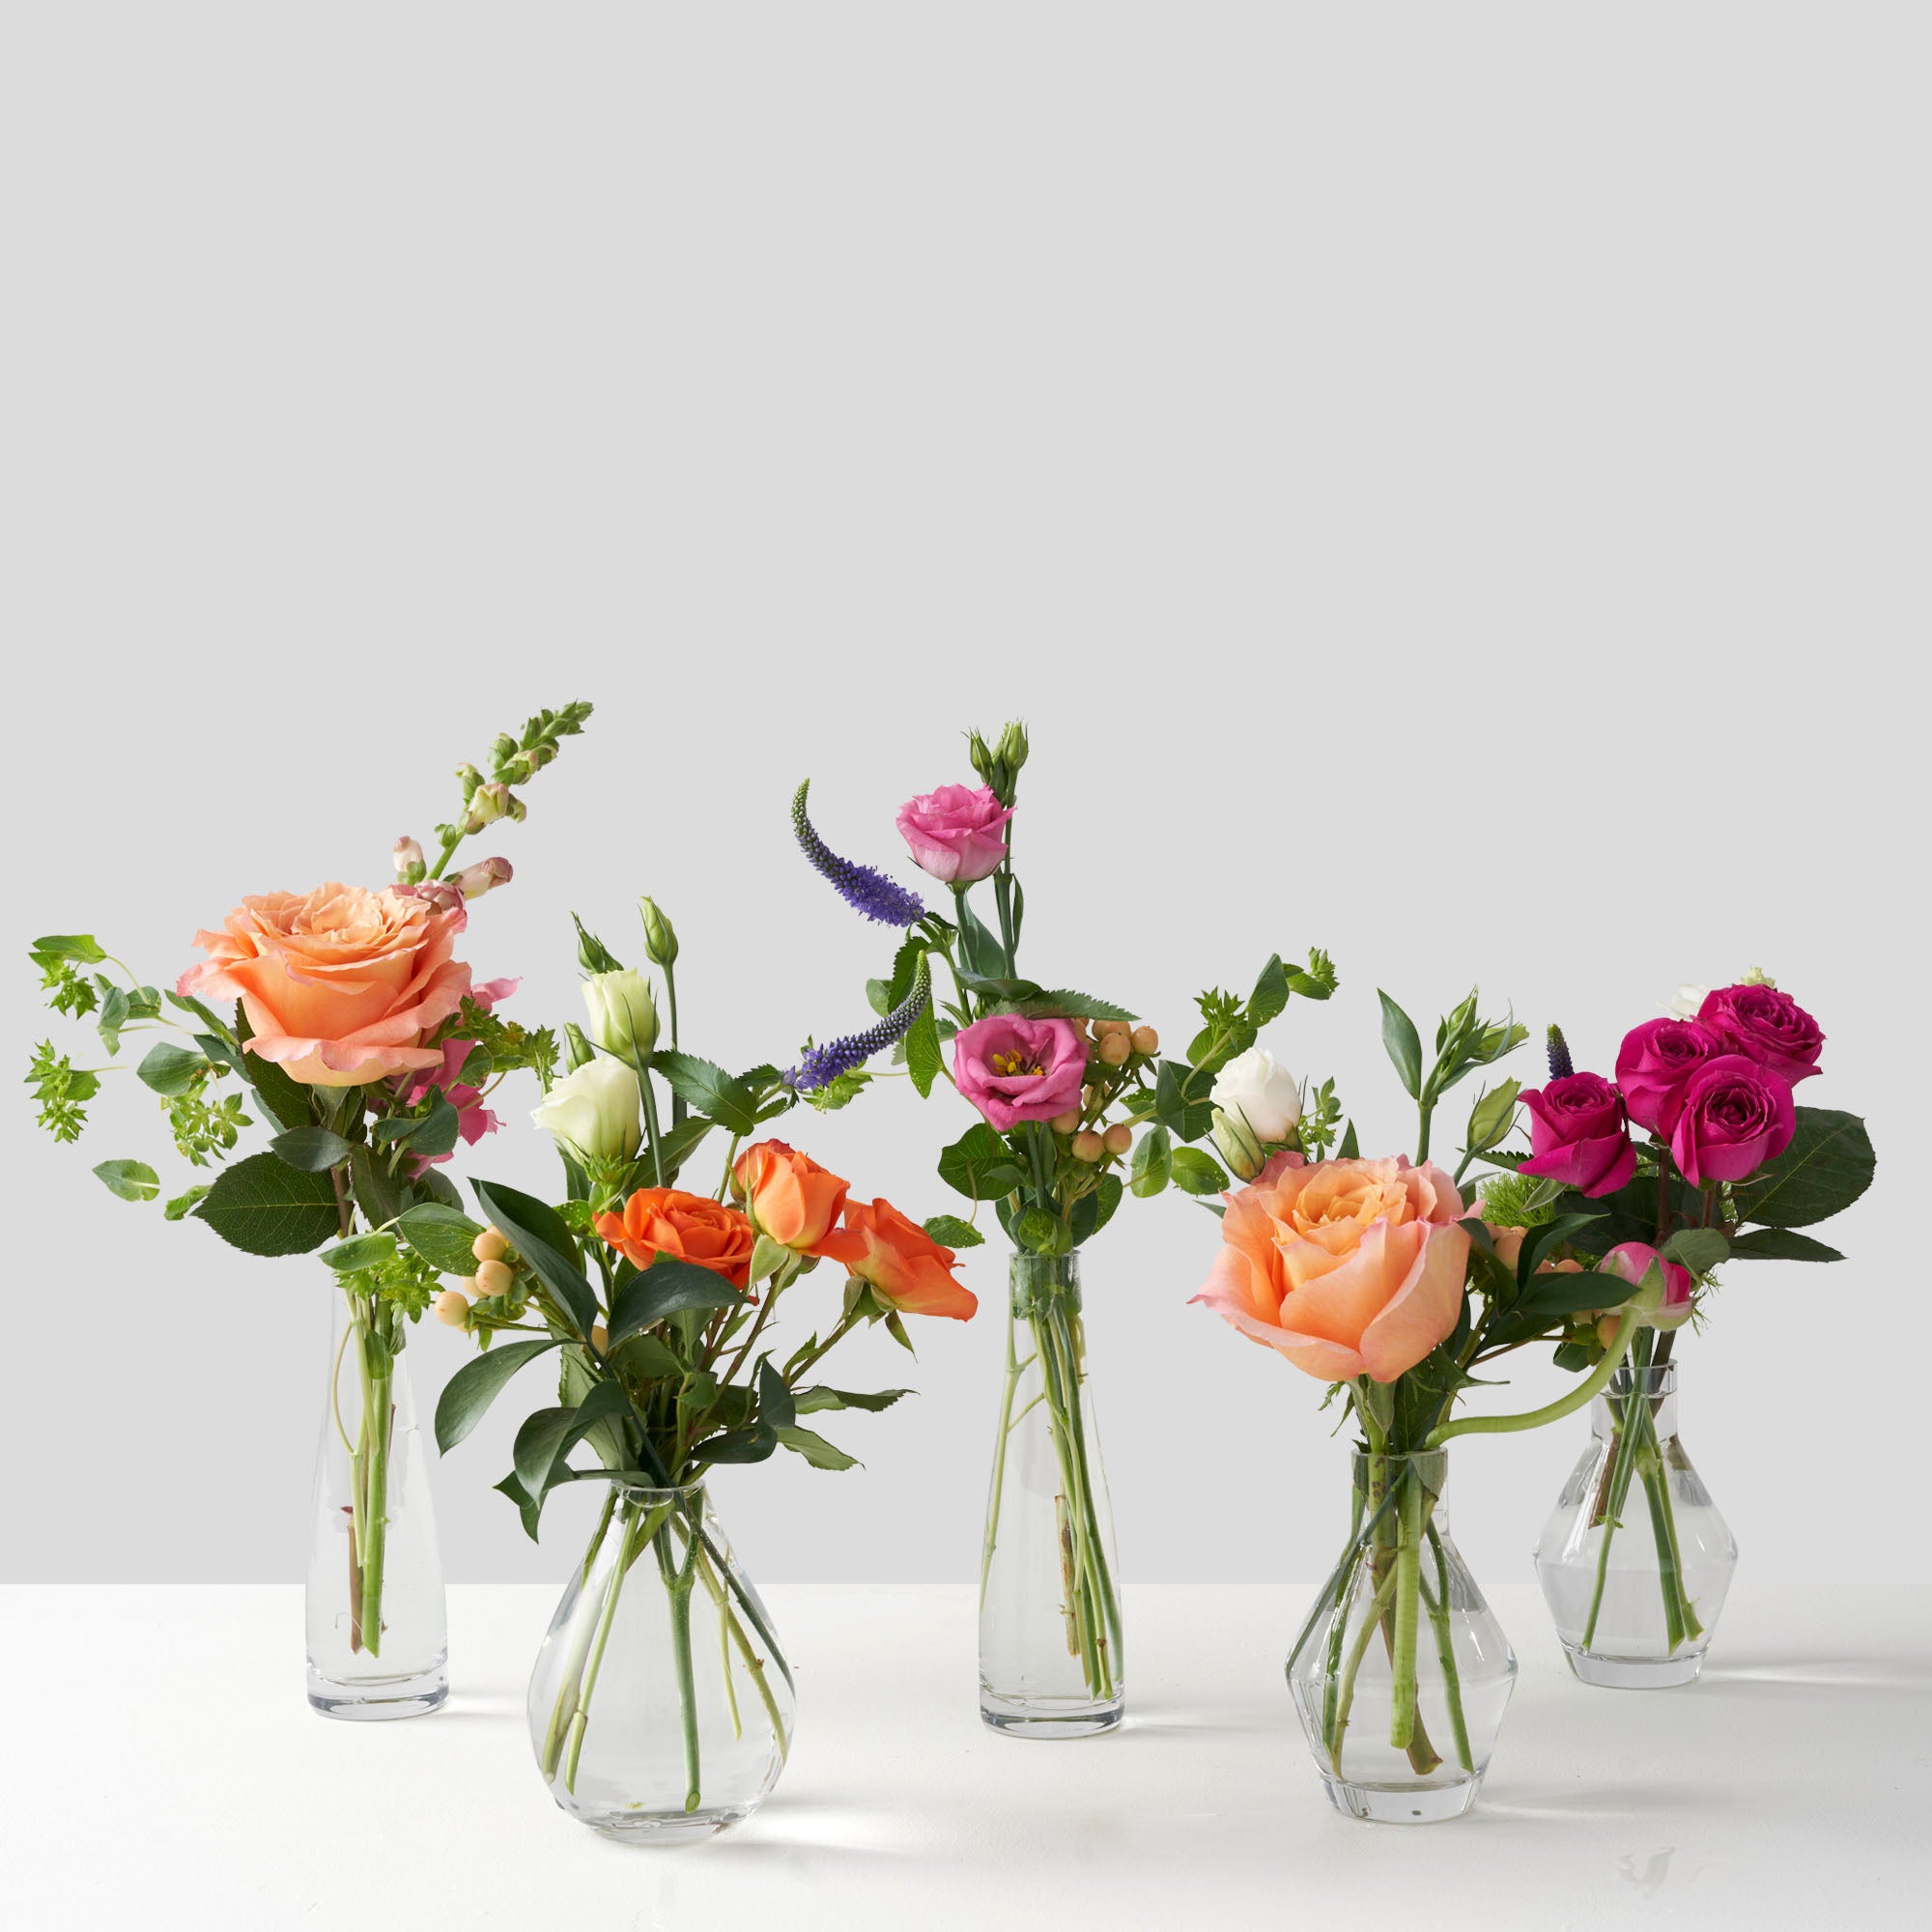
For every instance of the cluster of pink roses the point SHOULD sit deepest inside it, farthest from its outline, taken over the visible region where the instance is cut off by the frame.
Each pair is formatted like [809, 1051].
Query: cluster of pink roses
[1716, 1089]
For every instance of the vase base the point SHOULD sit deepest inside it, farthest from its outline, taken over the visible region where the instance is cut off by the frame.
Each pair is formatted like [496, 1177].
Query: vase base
[1048, 1718]
[665, 1831]
[1401, 1805]
[365, 1700]
[1633, 1673]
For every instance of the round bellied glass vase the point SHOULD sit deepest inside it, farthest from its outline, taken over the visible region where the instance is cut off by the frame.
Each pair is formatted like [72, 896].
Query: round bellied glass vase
[661, 1707]
[1634, 1559]
[1402, 1674]
[1052, 1662]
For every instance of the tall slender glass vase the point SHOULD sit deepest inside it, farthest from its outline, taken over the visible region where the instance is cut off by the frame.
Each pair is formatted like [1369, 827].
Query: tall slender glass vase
[1401, 1673]
[661, 1706]
[1634, 1560]
[1052, 1662]
[377, 1642]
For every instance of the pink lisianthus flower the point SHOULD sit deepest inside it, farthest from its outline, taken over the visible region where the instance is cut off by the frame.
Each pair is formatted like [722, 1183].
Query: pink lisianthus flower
[1578, 1134]
[953, 832]
[1013, 1068]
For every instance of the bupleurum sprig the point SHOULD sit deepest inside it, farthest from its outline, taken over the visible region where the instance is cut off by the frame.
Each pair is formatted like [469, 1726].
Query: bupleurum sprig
[863, 888]
[821, 1066]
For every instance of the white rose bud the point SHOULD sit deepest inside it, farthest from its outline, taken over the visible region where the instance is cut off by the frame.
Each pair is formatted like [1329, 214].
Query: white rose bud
[1238, 1147]
[624, 1015]
[1266, 1096]
[1688, 1001]
[594, 1112]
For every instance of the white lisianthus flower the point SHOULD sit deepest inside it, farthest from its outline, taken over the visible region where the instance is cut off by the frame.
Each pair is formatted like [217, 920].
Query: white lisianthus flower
[1688, 1001]
[624, 1015]
[1266, 1096]
[594, 1112]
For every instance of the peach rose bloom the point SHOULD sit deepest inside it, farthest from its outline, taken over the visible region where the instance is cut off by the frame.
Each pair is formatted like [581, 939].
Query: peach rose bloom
[688, 1227]
[904, 1263]
[797, 1202]
[341, 985]
[1350, 1267]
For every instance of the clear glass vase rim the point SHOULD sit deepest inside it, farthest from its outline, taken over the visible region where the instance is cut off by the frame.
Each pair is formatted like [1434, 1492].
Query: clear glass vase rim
[685, 1494]
[1656, 1378]
[1425, 1461]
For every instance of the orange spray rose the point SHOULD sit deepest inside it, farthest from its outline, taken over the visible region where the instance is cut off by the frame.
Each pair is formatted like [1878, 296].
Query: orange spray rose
[795, 1201]
[688, 1227]
[903, 1264]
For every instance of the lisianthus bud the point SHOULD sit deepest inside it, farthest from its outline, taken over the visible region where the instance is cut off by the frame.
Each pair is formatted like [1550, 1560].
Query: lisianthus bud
[1264, 1094]
[659, 940]
[488, 1246]
[1145, 1042]
[1013, 748]
[594, 1112]
[1239, 1146]
[409, 858]
[1119, 1138]
[485, 876]
[1088, 1146]
[624, 1015]
[495, 1277]
[451, 1308]
[982, 755]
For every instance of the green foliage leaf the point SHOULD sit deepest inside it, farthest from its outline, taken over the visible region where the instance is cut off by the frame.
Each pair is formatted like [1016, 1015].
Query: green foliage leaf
[979, 951]
[879, 996]
[376, 1189]
[1780, 1244]
[1699, 1249]
[442, 1234]
[1064, 1003]
[921, 1048]
[1541, 1243]
[1270, 994]
[1153, 1161]
[980, 1165]
[285, 1102]
[171, 1070]
[667, 1287]
[951, 1231]
[476, 1384]
[1197, 1173]
[1181, 1100]
[820, 1453]
[263, 1207]
[1403, 1046]
[130, 1180]
[184, 1204]
[307, 1150]
[360, 1251]
[810, 1401]
[541, 1238]
[80, 946]
[1042, 1233]
[777, 1408]
[1827, 1165]
[1093, 1211]
[548, 1435]
[706, 1089]
[737, 1445]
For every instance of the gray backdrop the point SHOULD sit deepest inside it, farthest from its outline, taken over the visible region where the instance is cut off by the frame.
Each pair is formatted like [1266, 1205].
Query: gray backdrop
[1437, 485]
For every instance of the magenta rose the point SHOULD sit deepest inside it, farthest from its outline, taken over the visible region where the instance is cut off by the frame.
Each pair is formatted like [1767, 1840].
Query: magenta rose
[1578, 1135]
[1654, 1063]
[1735, 1116]
[1768, 1026]
[1015, 1069]
[1633, 1261]
[955, 831]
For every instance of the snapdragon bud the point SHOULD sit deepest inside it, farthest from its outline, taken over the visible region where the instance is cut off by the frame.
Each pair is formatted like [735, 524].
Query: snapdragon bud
[410, 869]
[471, 779]
[660, 939]
[1239, 1145]
[624, 1015]
[502, 749]
[491, 802]
[485, 876]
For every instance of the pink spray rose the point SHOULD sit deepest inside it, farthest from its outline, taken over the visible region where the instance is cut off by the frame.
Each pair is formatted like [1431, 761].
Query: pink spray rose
[1578, 1135]
[1632, 1260]
[1768, 1026]
[1736, 1116]
[955, 831]
[1015, 1069]
[1654, 1064]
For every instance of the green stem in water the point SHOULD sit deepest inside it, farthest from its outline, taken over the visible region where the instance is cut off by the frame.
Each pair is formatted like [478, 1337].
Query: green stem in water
[1438, 1603]
[1408, 1591]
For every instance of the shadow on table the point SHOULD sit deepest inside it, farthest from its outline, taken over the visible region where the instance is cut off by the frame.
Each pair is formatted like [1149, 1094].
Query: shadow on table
[1600, 1804]
[1909, 1676]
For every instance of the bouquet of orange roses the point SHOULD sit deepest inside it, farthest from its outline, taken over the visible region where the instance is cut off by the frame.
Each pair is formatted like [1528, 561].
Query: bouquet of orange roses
[658, 1303]
[342, 1023]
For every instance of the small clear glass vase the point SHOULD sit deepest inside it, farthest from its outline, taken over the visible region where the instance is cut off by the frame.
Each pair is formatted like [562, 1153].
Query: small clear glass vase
[1051, 1657]
[1634, 1560]
[661, 1706]
[378, 1640]
[1401, 1673]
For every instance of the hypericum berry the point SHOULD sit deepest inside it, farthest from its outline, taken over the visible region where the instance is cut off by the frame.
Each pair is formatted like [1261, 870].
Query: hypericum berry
[1119, 1138]
[494, 1278]
[1088, 1146]
[488, 1246]
[1067, 1122]
[1114, 1048]
[1146, 1041]
[452, 1307]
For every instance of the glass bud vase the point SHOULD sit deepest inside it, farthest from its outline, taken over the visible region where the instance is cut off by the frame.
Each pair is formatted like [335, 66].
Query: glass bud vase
[377, 1642]
[661, 1706]
[1051, 1658]
[1634, 1560]
[1401, 1673]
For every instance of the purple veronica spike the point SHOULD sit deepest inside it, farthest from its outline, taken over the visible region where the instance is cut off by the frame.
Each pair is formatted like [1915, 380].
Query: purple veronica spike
[1558, 1048]
[862, 888]
[821, 1066]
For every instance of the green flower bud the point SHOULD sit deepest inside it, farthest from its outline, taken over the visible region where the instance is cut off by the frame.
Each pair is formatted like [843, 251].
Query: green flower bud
[660, 939]
[983, 761]
[1013, 749]
[592, 955]
[470, 778]
[624, 1015]
[1240, 1147]
[504, 749]
[576, 1050]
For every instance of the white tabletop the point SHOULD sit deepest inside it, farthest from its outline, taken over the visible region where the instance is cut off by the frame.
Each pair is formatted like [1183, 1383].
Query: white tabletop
[162, 1768]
